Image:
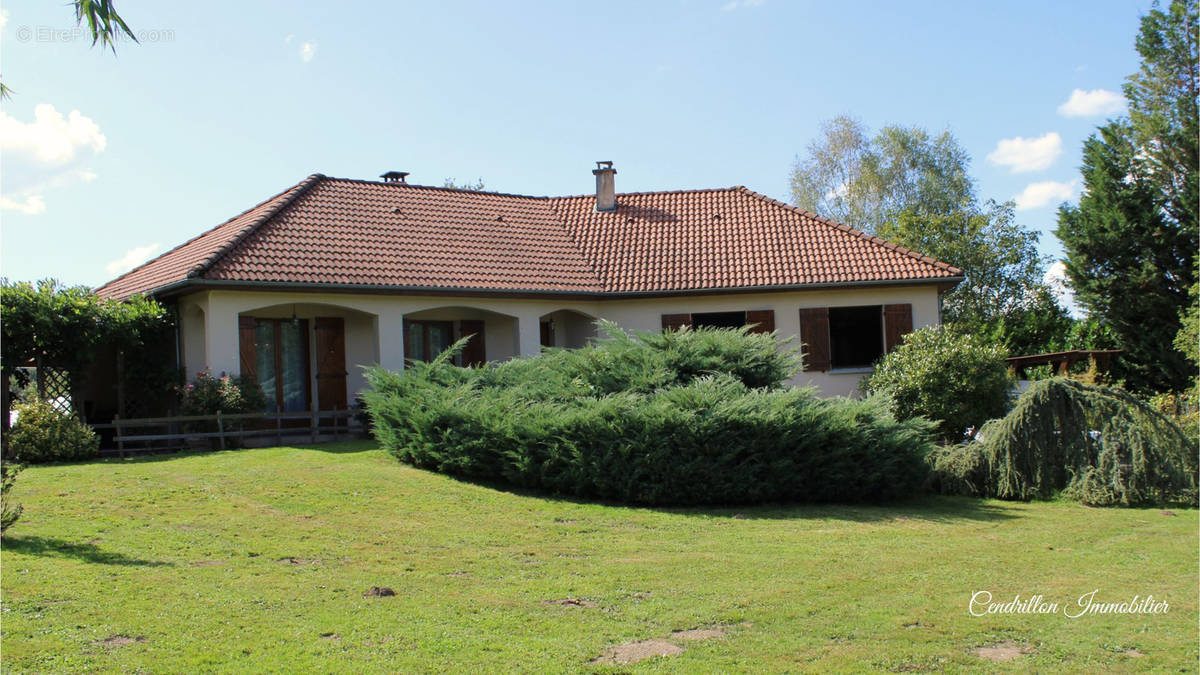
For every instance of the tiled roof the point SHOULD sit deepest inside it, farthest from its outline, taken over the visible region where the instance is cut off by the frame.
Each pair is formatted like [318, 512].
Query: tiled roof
[340, 232]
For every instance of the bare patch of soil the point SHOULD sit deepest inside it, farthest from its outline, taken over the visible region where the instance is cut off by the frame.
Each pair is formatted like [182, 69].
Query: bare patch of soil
[1005, 651]
[379, 592]
[571, 602]
[330, 636]
[1168, 513]
[633, 652]
[207, 563]
[1133, 653]
[458, 574]
[120, 640]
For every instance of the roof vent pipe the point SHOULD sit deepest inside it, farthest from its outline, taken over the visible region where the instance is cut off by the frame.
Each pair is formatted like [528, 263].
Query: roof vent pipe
[606, 197]
[395, 177]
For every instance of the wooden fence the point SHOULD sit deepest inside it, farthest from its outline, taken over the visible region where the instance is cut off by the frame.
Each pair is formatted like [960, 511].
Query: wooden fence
[159, 434]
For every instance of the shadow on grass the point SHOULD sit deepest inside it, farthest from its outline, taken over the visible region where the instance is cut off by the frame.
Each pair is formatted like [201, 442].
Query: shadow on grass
[922, 507]
[336, 447]
[64, 549]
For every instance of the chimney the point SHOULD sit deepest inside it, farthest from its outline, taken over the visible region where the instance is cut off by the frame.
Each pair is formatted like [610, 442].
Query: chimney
[606, 197]
[395, 177]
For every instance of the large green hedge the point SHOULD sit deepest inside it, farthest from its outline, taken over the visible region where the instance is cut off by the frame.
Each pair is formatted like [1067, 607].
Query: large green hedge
[689, 417]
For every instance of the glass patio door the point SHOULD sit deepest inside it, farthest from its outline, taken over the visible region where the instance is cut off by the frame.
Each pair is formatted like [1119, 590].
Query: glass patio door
[281, 362]
[424, 340]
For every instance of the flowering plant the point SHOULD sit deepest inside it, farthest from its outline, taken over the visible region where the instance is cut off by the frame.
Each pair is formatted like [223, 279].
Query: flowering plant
[208, 395]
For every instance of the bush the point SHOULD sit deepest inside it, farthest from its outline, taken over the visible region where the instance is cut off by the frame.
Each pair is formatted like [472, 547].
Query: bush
[1092, 444]
[688, 417]
[957, 470]
[9, 513]
[43, 434]
[231, 395]
[950, 378]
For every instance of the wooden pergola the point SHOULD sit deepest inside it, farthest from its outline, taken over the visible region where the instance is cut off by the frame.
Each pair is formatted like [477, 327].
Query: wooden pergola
[1062, 361]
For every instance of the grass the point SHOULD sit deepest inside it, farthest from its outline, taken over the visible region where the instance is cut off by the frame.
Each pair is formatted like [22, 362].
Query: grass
[258, 561]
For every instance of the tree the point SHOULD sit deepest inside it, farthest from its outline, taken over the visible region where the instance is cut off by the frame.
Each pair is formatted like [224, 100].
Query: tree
[998, 257]
[1163, 106]
[1132, 238]
[914, 189]
[1187, 341]
[476, 186]
[1039, 325]
[864, 182]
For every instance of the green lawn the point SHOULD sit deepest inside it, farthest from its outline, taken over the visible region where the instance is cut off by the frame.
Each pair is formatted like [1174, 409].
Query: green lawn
[258, 561]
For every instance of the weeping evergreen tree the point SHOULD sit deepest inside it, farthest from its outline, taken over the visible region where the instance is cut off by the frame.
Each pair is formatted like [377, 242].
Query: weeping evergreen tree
[1098, 445]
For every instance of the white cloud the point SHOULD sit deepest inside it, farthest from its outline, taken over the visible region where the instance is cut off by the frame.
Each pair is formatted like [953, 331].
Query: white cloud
[1092, 103]
[50, 139]
[1021, 155]
[1056, 279]
[33, 205]
[288, 40]
[132, 258]
[49, 152]
[1045, 193]
[734, 4]
[307, 51]
[3, 18]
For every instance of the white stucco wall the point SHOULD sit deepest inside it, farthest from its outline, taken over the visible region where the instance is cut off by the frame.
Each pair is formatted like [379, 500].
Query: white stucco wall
[374, 323]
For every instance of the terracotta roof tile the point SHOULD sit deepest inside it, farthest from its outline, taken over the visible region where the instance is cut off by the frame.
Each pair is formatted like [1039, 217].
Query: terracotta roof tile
[349, 232]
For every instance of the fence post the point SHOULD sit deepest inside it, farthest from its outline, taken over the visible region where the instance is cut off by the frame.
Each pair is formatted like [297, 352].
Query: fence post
[314, 426]
[221, 429]
[278, 429]
[120, 441]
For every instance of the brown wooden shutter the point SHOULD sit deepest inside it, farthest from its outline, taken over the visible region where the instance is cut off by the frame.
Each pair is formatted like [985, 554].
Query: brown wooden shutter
[331, 363]
[814, 333]
[897, 322]
[246, 347]
[473, 354]
[676, 321]
[761, 320]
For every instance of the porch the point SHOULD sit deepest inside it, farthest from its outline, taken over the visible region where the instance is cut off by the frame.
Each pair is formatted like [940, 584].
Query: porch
[309, 352]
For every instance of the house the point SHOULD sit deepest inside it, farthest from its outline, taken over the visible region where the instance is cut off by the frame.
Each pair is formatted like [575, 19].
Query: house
[332, 274]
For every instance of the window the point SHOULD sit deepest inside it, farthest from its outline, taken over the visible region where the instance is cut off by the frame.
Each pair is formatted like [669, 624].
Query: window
[760, 320]
[851, 337]
[719, 320]
[424, 340]
[855, 336]
[281, 363]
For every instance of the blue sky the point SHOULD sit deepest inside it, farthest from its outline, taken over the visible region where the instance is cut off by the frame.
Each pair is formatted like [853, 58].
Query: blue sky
[109, 160]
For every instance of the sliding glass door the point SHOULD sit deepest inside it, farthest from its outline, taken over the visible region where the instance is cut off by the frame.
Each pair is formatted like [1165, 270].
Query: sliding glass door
[424, 340]
[281, 363]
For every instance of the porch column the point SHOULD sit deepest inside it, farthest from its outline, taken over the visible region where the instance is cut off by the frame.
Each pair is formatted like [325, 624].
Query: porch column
[221, 349]
[529, 334]
[389, 331]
